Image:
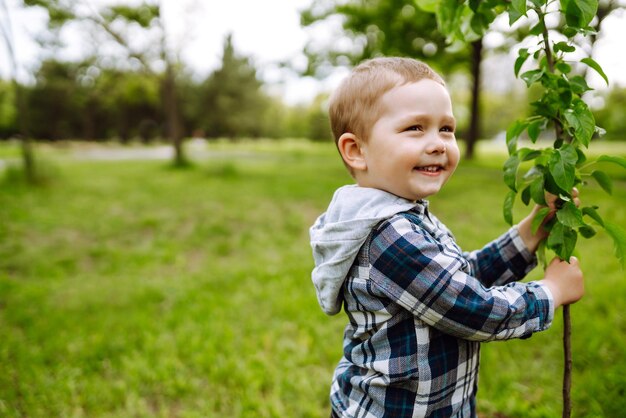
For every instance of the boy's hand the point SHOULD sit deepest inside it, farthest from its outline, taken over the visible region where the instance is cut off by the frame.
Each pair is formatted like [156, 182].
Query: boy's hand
[565, 281]
[524, 227]
[554, 202]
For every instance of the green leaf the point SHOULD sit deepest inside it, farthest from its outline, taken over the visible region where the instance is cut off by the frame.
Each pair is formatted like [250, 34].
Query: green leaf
[579, 85]
[612, 159]
[537, 191]
[550, 184]
[534, 129]
[581, 120]
[512, 133]
[590, 62]
[564, 67]
[532, 76]
[539, 218]
[510, 172]
[562, 240]
[517, 10]
[562, 166]
[569, 215]
[581, 157]
[587, 231]
[603, 180]
[537, 29]
[526, 196]
[593, 214]
[569, 32]
[143, 14]
[521, 59]
[564, 46]
[519, 6]
[579, 13]
[507, 208]
[526, 154]
[479, 24]
[619, 240]
[535, 171]
[514, 16]
[428, 5]
[449, 18]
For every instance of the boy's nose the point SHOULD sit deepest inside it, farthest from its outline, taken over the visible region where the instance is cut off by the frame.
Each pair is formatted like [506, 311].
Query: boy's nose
[437, 145]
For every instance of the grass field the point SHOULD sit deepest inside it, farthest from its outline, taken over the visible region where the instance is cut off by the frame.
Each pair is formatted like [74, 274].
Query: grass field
[130, 289]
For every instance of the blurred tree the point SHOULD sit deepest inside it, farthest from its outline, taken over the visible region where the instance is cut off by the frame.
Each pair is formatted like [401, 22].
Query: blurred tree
[611, 115]
[8, 112]
[125, 25]
[130, 101]
[79, 100]
[296, 125]
[148, 16]
[55, 102]
[394, 28]
[232, 103]
[28, 158]
[317, 119]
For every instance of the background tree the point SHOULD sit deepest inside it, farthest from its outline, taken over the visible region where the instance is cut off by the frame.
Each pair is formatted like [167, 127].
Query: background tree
[231, 101]
[396, 28]
[8, 112]
[28, 158]
[148, 17]
[125, 25]
[611, 116]
[56, 101]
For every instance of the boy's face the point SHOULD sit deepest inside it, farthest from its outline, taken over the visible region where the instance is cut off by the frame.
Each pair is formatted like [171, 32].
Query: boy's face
[412, 150]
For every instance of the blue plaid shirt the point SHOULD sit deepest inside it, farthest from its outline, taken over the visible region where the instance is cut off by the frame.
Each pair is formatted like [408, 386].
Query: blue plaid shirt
[419, 308]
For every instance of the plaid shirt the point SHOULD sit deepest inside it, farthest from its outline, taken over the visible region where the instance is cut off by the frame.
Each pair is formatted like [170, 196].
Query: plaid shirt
[418, 310]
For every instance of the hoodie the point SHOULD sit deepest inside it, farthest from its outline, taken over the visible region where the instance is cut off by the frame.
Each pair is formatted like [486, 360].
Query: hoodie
[338, 234]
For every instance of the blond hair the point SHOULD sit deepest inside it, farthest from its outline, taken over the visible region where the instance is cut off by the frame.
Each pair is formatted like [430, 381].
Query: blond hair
[354, 106]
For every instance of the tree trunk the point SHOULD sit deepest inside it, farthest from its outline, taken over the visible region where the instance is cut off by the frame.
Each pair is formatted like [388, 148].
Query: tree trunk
[172, 116]
[28, 156]
[473, 133]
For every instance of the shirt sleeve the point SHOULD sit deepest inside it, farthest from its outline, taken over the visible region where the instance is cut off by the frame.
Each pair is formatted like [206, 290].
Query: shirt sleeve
[429, 279]
[503, 260]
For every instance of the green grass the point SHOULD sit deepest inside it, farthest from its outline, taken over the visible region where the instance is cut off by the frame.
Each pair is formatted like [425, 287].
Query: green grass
[130, 289]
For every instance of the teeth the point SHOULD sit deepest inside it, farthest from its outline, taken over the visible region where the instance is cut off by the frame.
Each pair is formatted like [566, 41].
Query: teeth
[431, 169]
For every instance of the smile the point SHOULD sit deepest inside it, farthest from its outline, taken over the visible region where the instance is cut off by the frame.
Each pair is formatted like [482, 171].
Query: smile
[430, 168]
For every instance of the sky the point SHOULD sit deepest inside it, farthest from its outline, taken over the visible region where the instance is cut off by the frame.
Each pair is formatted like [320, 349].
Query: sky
[268, 31]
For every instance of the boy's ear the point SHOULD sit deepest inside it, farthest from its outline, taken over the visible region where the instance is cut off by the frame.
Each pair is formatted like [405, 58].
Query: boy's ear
[351, 152]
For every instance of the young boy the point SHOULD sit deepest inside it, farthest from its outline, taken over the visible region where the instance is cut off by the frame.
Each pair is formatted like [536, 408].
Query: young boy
[418, 306]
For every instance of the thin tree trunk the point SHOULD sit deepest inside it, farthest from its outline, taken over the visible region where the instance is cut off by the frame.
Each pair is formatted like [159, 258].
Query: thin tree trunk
[172, 116]
[28, 155]
[474, 127]
[567, 366]
[567, 327]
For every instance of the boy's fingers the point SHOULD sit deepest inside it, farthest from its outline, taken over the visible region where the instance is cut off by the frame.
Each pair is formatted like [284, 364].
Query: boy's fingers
[556, 260]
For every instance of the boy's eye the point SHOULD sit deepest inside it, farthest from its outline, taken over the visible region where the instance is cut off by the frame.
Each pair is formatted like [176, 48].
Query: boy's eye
[447, 129]
[414, 128]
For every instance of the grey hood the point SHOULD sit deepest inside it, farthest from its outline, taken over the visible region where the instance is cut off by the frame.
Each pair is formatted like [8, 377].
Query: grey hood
[338, 234]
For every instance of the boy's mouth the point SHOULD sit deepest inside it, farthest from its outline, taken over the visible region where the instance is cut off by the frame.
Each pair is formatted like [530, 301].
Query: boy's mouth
[430, 168]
